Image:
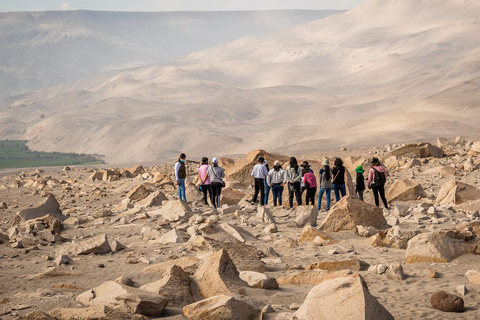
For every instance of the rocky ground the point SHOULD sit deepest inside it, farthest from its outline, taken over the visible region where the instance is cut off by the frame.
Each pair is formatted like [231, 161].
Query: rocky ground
[117, 244]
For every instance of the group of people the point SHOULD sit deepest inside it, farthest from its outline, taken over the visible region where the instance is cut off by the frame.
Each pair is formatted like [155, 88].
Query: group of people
[297, 178]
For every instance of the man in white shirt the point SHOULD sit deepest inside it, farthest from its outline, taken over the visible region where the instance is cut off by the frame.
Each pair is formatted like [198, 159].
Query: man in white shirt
[259, 173]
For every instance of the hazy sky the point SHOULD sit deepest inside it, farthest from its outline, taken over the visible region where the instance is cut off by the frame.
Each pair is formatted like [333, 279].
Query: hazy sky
[173, 5]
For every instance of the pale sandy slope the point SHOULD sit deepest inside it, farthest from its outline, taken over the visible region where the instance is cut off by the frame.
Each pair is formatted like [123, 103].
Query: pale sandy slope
[386, 71]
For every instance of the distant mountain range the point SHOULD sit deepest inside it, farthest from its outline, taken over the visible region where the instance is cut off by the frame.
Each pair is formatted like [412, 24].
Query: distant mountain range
[387, 71]
[44, 49]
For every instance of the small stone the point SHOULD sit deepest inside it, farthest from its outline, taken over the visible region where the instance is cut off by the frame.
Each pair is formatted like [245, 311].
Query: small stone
[446, 302]
[395, 272]
[332, 251]
[431, 273]
[62, 259]
[268, 309]
[295, 306]
[101, 265]
[462, 290]
[473, 275]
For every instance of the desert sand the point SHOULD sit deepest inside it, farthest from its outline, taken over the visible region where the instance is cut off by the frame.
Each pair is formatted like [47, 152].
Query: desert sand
[98, 203]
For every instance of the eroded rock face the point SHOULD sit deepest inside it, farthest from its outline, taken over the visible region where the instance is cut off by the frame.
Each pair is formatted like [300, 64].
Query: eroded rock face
[348, 297]
[394, 237]
[126, 298]
[217, 275]
[98, 245]
[446, 302]
[404, 190]
[95, 313]
[440, 246]
[419, 150]
[244, 256]
[174, 286]
[456, 192]
[49, 206]
[350, 212]
[224, 307]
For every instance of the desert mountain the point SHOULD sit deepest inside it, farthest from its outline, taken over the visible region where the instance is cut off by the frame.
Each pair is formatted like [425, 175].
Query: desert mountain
[386, 71]
[44, 49]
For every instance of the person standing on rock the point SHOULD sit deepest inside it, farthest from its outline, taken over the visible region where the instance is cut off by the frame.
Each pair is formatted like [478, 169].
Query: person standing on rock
[204, 180]
[338, 180]
[216, 175]
[325, 180]
[275, 180]
[310, 183]
[259, 173]
[360, 185]
[377, 177]
[267, 187]
[293, 176]
[181, 175]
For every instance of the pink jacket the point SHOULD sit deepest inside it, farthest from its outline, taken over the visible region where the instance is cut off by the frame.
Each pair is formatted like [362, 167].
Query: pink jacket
[310, 178]
[371, 173]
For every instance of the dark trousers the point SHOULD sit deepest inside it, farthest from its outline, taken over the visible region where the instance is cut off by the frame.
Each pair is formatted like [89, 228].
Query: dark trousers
[311, 196]
[360, 194]
[277, 191]
[216, 189]
[206, 189]
[376, 191]
[259, 188]
[294, 188]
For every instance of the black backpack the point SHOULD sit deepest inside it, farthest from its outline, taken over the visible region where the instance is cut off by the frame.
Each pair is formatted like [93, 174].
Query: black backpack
[379, 179]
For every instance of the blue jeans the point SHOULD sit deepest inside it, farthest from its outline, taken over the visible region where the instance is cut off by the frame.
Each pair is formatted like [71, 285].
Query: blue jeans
[267, 191]
[339, 188]
[277, 191]
[181, 190]
[320, 196]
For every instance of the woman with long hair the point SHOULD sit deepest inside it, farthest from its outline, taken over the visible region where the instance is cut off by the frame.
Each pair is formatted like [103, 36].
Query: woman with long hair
[293, 176]
[325, 179]
[377, 177]
[204, 180]
[216, 174]
[338, 180]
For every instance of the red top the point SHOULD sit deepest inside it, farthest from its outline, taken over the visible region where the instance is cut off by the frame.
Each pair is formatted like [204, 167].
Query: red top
[310, 178]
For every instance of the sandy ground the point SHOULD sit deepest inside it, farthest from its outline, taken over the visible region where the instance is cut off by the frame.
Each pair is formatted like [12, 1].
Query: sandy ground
[408, 299]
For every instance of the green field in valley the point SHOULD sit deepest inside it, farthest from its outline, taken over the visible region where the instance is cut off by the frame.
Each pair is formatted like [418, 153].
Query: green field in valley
[16, 154]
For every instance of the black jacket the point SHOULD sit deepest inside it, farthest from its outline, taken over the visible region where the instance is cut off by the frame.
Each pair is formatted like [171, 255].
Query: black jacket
[360, 182]
[339, 175]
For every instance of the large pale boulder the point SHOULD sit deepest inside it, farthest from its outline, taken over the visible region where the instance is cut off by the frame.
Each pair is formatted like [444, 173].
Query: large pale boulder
[306, 215]
[344, 297]
[138, 193]
[49, 206]
[350, 212]
[309, 234]
[244, 256]
[216, 232]
[123, 297]
[173, 211]
[173, 236]
[456, 192]
[217, 275]
[224, 307]
[258, 280]
[174, 286]
[231, 196]
[394, 237]
[98, 245]
[352, 264]
[419, 150]
[440, 247]
[404, 190]
[154, 199]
